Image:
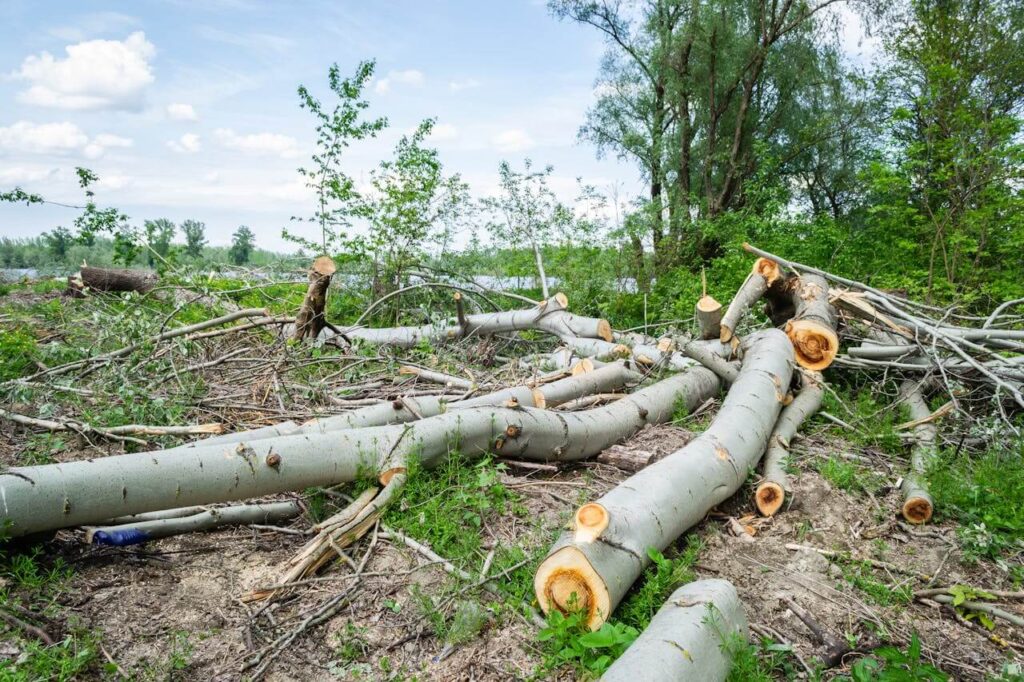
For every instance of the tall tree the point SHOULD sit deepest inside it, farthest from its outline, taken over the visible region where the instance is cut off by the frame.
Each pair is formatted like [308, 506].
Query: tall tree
[701, 93]
[195, 237]
[159, 234]
[958, 77]
[243, 241]
[336, 128]
[412, 205]
[526, 213]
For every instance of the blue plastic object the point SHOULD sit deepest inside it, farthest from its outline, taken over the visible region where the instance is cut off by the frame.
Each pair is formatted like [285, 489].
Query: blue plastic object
[120, 538]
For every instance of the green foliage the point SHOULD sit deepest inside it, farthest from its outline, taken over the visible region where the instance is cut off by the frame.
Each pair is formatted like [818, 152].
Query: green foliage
[760, 661]
[95, 221]
[657, 584]
[848, 476]
[336, 129]
[860, 575]
[982, 493]
[67, 660]
[195, 237]
[159, 234]
[243, 241]
[890, 664]
[568, 641]
[17, 348]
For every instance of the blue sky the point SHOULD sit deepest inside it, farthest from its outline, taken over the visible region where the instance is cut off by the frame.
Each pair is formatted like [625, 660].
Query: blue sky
[188, 109]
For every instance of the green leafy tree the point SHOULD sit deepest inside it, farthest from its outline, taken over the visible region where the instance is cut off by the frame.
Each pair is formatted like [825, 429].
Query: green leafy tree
[95, 220]
[412, 204]
[337, 127]
[950, 190]
[243, 241]
[195, 237]
[58, 241]
[159, 234]
[526, 214]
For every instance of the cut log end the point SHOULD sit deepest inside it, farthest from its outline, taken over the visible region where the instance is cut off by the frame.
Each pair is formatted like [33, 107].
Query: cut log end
[582, 367]
[769, 498]
[725, 334]
[604, 330]
[768, 269]
[591, 521]
[917, 510]
[386, 476]
[566, 581]
[538, 399]
[324, 265]
[666, 344]
[816, 344]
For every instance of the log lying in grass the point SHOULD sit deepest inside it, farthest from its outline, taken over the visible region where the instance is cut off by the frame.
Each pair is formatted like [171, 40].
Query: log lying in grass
[690, 637]
[550, 317]
[53, 496]
[764, 274]
[309, 321]
[446, 380]
[110, 279]
[917, 503]
[658, 504]
[135, 532]
[771, 491]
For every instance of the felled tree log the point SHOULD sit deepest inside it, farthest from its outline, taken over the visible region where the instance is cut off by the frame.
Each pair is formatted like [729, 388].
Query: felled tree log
[764, 274]
[812, 328]
[135, 532]
[689, 638]
[549, 316]
[771, 491]
[309, 321]
[917, 503]
[607, 551]
[54, 496]
[110, 279]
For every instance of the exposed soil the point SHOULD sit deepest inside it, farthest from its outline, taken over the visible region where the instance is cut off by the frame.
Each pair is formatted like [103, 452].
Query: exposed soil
[182, 594]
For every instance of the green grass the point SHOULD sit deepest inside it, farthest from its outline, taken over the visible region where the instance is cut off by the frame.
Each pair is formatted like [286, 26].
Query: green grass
[860, 575]
[657, 583]
[760, 660]
[849, 476]
[17, 349]
[983, 493]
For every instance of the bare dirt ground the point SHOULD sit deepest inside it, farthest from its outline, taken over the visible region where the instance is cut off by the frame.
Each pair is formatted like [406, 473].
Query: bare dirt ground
[172, 608]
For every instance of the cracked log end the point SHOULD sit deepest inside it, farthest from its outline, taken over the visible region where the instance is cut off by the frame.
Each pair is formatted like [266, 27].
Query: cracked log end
[565, 573]
[323, 265]
[666, 344]
[582, 367]
[815, 344]
[604, 330]
[591, 520]
[917, 510]
[768, 269]
[769, 498]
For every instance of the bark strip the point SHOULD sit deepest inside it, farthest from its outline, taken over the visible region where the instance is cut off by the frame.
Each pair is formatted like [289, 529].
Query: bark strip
[688, 639]
[764, 273]
[656, 505]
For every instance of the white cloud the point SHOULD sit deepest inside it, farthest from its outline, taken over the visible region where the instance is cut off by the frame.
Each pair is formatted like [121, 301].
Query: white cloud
[464, 84]
[18, 175]
[510, 141]
[56, 138]
[444, 131]
[181, 112]
[113, 182]
[258, 143]
[96, 74]
[410, 77]
[188, 143]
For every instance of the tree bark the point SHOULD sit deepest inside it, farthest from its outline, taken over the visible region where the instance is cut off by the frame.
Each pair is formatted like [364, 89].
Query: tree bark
[54, 496]
[110, 279]
[655, 506]
[764, 273]
[135, 532]
[688, 639]
[310, 321]
[917, 503]
[550, 316]
[771, 491]
[812, 328]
